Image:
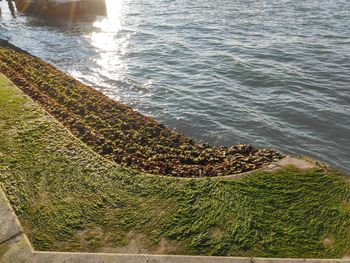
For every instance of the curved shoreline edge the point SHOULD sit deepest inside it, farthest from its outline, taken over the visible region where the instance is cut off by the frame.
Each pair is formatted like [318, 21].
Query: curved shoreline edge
[119, 133]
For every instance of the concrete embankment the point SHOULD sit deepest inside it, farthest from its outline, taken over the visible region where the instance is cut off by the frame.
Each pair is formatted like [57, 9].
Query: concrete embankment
[15, 247]
[69, 198]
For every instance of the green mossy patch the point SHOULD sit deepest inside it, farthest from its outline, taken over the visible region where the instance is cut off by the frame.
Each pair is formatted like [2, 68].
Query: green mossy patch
[70, 198]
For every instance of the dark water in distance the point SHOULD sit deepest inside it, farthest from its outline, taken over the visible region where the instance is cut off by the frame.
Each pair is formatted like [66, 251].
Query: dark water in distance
[267, 72]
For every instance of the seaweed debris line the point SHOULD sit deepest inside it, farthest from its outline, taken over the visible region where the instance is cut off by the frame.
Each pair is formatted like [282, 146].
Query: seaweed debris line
[119, 133]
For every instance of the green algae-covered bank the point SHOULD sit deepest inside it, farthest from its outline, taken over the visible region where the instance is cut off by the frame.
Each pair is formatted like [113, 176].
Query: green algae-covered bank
[69, 198]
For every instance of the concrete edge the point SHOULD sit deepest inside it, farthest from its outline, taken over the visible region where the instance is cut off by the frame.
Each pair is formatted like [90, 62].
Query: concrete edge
[16, 247]
[10, 227]
[300, 162]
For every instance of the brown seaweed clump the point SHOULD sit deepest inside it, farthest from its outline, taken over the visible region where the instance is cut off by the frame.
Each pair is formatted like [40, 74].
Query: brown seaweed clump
[119, 133]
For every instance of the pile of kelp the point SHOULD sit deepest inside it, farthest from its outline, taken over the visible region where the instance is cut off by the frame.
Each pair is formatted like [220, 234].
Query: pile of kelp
[118, 132]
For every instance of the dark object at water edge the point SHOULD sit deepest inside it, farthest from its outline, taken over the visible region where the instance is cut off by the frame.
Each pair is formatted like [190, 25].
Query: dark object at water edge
[63, 8]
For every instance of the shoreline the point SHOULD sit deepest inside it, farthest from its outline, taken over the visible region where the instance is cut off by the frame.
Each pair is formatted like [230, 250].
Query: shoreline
[119, 133]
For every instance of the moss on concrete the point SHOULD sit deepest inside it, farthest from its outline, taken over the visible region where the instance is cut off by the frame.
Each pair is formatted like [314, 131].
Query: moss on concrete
[69, 198]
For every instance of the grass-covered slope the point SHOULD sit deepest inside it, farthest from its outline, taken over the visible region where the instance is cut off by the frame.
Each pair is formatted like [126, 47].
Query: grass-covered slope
[119, 133]
[69, 198]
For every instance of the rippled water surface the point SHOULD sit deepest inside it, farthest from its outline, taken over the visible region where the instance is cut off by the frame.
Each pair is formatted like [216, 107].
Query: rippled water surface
[267, 72]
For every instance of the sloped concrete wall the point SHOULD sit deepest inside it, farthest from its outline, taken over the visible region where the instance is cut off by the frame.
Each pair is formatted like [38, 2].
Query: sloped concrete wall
[16, 248]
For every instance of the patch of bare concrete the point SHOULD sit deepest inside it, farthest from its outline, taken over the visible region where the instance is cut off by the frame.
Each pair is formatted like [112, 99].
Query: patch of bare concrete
[140, 244]
[10, 226]
[302, 163]
[298, 162]
[136, 245]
